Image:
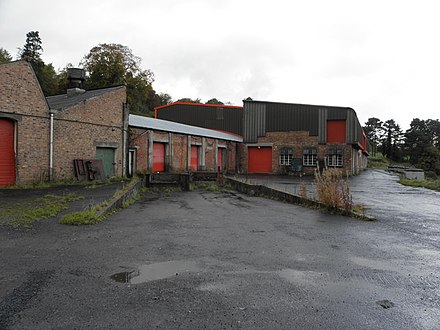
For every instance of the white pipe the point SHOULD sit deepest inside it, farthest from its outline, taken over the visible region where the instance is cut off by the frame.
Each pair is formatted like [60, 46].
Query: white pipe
[51, 149]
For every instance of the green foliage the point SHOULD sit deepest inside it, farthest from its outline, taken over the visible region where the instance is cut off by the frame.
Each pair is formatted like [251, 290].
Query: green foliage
[87, 217]
[115, 64]
[429, 184]
[189, 100]
[32, 49]
[214, 101]
[46, 75]
[5, 57]
[24, 213]
[378, 162]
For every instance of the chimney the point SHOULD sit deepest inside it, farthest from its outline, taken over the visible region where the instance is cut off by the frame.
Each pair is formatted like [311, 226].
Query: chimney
[76, 78]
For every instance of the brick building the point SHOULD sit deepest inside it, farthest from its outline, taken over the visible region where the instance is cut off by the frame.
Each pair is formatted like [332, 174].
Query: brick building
[41, 137]
[24, 126]
[162, 146]
[283, 138]
[287, 137]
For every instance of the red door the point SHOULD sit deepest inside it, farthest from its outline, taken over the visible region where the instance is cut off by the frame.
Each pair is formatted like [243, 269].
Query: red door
[336, 131]
[220, 159]
[7, 154]
[259, 160]
[158, 157]
[194, 158]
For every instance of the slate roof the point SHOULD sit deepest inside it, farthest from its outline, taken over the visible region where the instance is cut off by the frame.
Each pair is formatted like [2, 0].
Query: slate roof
[61, 102]
[169, 126]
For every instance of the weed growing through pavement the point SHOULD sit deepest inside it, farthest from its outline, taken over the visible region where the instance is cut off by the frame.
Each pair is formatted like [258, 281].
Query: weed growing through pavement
[332, 190]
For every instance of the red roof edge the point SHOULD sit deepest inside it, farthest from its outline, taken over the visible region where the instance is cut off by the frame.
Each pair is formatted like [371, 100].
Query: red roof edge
[197, 104]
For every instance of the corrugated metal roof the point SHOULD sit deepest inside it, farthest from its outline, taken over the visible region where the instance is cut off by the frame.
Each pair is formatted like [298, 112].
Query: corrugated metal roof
[169, 126]
[61, 102]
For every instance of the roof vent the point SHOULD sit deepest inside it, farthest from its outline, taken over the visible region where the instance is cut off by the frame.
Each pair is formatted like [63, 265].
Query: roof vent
[76, 78]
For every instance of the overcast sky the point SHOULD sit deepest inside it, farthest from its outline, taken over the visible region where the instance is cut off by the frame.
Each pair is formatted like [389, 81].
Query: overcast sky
[382, 58]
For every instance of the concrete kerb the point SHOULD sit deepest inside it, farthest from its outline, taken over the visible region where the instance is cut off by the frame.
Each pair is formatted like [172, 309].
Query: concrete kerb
[267, 192]
[127, 193]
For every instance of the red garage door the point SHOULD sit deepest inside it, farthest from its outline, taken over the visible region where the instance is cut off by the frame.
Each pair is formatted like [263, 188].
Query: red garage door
[158, 157]
[259, 160]
[7, 155]
[194, 158]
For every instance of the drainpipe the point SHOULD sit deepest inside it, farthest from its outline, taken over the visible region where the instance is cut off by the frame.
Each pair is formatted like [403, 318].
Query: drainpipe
[51, 148]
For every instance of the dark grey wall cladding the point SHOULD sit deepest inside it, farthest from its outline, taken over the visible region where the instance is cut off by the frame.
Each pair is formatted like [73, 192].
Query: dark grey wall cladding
[254, 121]
[224, 119]
[292, 117]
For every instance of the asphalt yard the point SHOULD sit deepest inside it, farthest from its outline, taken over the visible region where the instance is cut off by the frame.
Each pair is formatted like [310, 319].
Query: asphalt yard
[216, 260]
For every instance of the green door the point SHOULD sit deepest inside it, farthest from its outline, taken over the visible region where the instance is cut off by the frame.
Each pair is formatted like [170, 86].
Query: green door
[107, 155]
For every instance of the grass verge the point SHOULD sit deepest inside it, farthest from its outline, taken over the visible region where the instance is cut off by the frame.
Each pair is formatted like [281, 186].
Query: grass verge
[429, 184]
[25, 213]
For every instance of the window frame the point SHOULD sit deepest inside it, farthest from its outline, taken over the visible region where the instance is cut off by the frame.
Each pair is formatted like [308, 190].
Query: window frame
[310, 157]
[286, 156]
[335, 156]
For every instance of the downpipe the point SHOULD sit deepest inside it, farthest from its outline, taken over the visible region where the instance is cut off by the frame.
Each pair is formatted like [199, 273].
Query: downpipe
[51, 149]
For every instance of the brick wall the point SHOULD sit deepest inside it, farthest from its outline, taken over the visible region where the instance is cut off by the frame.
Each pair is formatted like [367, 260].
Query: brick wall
[177, 160]
[297, 140]
[22, 101]
[80, 129]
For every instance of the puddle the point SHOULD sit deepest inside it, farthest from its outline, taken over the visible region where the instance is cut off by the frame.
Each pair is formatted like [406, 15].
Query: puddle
[157, 271]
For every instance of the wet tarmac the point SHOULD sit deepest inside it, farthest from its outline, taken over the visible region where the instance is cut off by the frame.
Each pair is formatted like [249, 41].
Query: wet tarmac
[416, 210]
[215, 260]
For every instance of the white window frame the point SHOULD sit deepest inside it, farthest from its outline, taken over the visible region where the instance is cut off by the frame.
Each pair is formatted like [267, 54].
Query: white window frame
[286, 156]
[310, 157]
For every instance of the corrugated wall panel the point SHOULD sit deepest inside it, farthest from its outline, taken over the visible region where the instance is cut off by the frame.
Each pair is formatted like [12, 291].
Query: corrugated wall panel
[322, 131]
[283, 117]
[225, 119]
[254, 121]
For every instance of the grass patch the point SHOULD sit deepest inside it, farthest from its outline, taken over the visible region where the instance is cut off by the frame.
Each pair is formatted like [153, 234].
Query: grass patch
[25, 213]
[87, 217]
[429, 184]
[96, 214]
[209, 186]
[378, 162]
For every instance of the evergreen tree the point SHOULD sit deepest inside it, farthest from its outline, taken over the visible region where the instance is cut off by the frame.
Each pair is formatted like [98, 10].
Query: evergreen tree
[5, 57]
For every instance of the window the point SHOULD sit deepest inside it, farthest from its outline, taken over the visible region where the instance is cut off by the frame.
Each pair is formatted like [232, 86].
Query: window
[309, 157]
[335, 157]
[286, 156]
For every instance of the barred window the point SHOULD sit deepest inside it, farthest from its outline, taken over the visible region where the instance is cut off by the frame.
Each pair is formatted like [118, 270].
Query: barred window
[286, 156]
[309, 157]
[335, 156]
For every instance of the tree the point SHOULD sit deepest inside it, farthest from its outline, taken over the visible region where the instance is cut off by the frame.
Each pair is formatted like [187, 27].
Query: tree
[392, 140]
[373, 130]
[46, 75]
[5, 57]
[114, 64]
[189, 100]
[32, 49]
[214, 101]
[416, 139]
